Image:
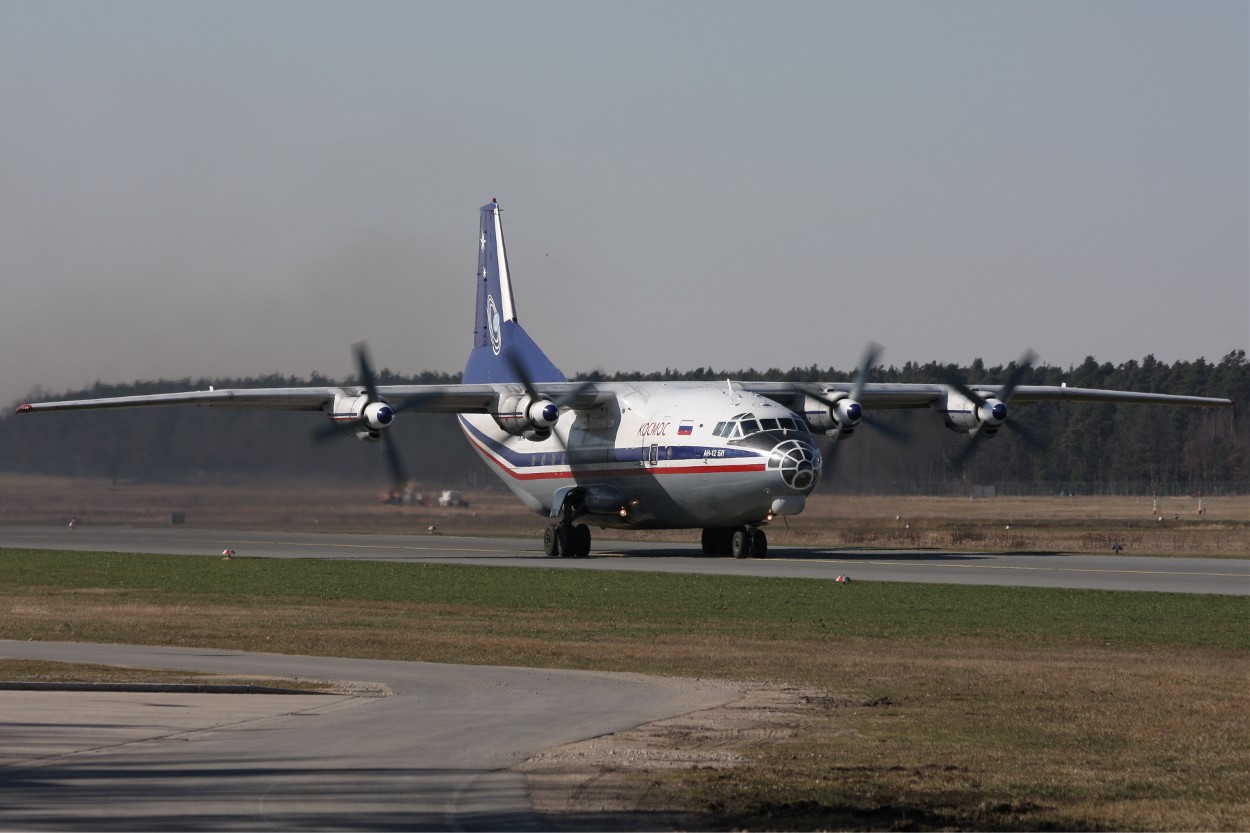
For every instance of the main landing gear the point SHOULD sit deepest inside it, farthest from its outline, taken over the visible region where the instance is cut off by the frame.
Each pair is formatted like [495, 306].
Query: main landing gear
[738, 541]
[567, 540]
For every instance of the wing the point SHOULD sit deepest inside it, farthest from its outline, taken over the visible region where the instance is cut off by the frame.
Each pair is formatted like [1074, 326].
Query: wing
[456, 399]
[278, 399]
[874, 395]
[468, 399]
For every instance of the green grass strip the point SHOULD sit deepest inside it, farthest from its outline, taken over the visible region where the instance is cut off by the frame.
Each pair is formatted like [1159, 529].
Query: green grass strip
[638, 604]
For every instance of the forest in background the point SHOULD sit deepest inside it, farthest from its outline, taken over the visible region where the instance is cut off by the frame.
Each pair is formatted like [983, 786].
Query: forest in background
[1087, 449]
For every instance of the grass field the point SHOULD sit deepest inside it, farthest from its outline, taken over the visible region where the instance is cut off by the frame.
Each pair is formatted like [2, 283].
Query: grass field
[925, 706]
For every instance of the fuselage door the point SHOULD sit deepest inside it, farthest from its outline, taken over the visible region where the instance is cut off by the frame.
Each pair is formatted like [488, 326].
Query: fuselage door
[655, 435]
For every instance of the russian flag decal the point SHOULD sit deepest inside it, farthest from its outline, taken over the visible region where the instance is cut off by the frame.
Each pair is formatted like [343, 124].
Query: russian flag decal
[686, 428]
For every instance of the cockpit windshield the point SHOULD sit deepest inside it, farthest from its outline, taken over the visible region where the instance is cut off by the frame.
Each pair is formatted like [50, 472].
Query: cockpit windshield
[744, 425]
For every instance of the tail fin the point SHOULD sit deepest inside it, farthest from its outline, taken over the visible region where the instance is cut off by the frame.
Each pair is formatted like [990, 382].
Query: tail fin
[499, 342]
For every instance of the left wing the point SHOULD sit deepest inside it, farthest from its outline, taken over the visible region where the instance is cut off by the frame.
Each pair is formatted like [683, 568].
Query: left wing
[838, 407]
[887, 395]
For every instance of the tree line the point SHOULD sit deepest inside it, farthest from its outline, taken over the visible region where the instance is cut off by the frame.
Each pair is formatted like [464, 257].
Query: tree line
[1085, 448]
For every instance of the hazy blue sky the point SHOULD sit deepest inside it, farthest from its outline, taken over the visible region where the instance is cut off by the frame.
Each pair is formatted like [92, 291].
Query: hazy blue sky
[240, 188]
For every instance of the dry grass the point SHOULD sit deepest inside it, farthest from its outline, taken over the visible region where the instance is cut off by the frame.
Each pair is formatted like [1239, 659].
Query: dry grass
[969, 736]
[1058, 524]
[43, 671]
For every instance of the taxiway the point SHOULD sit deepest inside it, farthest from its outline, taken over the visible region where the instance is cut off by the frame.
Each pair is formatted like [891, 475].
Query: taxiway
[433, 754]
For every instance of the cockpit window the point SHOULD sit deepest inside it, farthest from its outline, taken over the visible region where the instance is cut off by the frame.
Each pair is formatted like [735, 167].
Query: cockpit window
[744, 425]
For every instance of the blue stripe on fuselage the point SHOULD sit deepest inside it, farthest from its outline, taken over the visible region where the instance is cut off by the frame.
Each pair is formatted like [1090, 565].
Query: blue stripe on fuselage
[629, 454]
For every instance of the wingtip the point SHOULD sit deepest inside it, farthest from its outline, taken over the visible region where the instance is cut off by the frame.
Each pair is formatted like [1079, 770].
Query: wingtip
[25, 409]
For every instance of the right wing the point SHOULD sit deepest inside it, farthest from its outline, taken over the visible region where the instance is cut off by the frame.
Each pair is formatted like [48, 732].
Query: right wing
[452, 399]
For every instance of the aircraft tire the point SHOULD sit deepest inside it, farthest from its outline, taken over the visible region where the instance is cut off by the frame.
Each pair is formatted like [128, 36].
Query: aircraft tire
[550, 544]
[717, 541]
[581, 541]
[711, 541]
[740, 544]
[759, 544]
[564, 540]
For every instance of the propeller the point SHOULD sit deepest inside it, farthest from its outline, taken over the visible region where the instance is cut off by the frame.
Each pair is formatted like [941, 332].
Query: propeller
[869, 360]
[384, 414]
[552, 411]
[1022, 367]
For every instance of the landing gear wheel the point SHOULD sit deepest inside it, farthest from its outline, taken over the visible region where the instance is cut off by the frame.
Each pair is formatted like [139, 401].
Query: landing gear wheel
[564, 541]
[759, 544]
[717, 541]
[740, 543]
[581, 541]
[711, 540]
[551, 546]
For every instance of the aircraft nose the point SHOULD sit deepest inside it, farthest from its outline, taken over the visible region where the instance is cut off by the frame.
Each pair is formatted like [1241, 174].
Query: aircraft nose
[798, 463]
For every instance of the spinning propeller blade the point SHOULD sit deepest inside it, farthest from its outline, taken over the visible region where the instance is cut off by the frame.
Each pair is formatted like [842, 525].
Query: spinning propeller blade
[561, 402]
[399, 473]
[870, 358]
[1023, 365]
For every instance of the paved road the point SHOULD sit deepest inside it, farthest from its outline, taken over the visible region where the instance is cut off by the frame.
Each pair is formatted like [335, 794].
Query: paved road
[1173, 575]
[433, 755]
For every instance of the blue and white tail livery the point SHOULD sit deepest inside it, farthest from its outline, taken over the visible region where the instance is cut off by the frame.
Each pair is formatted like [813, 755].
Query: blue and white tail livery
[500, 344]
[724, 457]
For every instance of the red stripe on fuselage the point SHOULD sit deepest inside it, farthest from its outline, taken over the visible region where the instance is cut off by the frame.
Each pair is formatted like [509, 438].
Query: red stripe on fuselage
[633, 469]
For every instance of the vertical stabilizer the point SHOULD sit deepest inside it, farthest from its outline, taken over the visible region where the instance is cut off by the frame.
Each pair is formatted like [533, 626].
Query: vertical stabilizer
[499, 343]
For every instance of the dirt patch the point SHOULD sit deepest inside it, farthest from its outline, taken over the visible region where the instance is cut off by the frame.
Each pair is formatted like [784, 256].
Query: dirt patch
[610, 780]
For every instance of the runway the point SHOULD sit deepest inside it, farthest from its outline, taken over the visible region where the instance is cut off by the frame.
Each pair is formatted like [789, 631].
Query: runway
[1125, 572]
[433, 755]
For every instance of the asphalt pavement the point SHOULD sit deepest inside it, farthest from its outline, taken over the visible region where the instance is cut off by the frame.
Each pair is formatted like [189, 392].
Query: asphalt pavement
[433, 754]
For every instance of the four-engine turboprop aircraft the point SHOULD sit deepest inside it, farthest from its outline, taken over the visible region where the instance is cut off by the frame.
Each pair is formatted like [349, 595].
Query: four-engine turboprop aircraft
[726, 457]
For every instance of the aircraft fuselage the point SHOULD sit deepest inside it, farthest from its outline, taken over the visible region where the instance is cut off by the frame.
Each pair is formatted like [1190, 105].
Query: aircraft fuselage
[673, 455]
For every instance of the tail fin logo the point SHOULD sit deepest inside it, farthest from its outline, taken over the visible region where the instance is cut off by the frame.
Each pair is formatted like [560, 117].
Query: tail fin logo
[494, 325]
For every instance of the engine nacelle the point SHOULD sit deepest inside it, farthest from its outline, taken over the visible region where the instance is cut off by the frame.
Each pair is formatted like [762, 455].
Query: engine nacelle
[365, 419]
[838, 413]
[965, 416]
[378, 415]
[523, 415]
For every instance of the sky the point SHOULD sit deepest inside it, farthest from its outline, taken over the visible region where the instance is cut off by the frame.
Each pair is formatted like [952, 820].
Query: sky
[213, 189]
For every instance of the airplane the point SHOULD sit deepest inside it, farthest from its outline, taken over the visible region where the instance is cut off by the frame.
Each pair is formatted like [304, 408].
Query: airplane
[724, 457]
